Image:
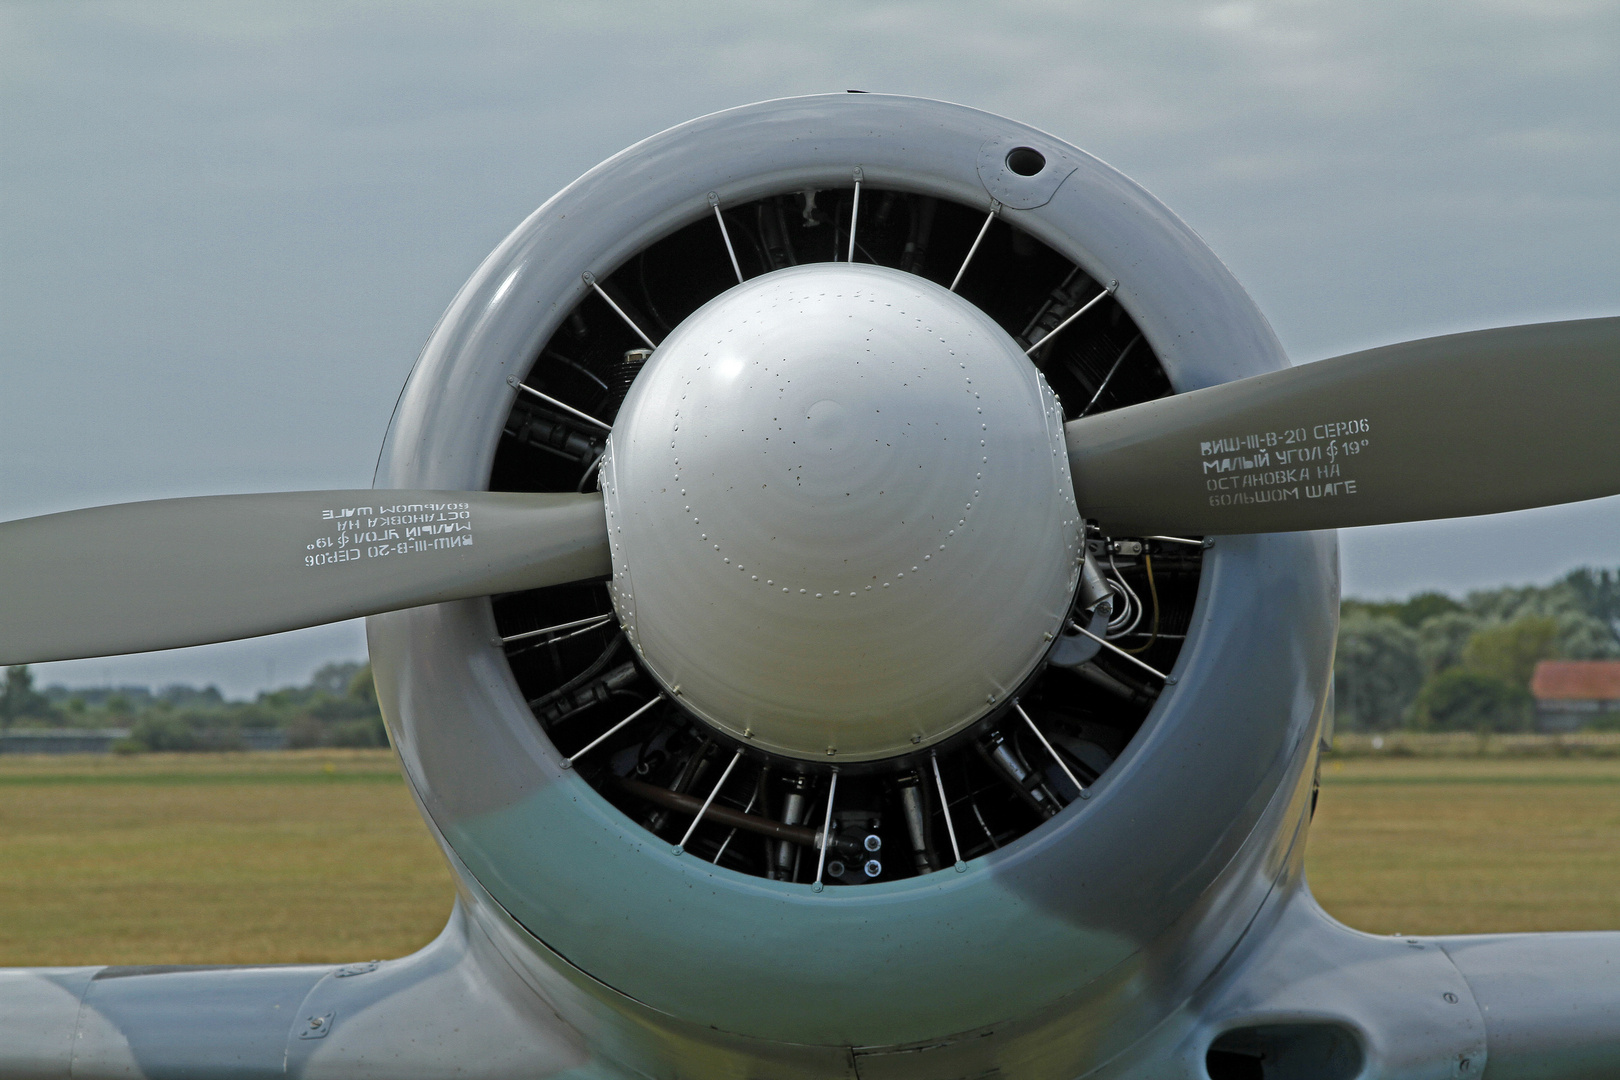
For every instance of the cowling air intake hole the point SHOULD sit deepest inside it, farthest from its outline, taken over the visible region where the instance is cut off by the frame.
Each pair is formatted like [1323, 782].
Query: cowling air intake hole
[1286, 1052]
[1026, 161]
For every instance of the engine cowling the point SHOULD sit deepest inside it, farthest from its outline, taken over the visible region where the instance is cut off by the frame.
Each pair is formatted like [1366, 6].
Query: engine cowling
[1071, 935]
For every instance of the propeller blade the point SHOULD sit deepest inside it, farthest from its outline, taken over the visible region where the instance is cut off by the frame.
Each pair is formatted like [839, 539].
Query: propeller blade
[1450, 426]
[158, 575]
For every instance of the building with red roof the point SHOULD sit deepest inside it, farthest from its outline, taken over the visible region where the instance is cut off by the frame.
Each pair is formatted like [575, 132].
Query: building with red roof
[1572, 693]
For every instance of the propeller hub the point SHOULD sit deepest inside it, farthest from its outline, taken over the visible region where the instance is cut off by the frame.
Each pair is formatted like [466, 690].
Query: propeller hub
[840, 513]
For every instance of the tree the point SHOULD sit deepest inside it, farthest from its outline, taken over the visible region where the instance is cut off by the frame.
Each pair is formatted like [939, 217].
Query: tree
[1510, 651]
[1582, 636]
[1598, 592]
[19, 700]
[1376, 672]
[1464, 700]
[1411, 612]
[363, 688]
[334, 679]
[1442, 639]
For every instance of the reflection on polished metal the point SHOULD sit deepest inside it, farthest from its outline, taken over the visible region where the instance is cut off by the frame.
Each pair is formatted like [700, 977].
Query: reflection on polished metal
[945, 808]
[995, 208]
[1117, 651]
[590, 279]
[1073, 779]
[714, 204]
[696, 821]
[563, 406]
[840, 514]
[568, 762]
[826, 831]
[1064, 325]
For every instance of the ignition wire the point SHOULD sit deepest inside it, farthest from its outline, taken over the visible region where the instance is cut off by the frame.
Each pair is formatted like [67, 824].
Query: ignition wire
[1153, 590]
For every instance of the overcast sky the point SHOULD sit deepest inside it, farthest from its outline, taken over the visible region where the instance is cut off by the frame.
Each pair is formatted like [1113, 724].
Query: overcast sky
[228, 229]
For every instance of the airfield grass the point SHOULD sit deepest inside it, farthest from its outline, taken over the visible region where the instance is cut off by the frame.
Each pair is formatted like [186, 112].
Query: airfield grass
[320, 856]
[1463, 845]
[315, 856]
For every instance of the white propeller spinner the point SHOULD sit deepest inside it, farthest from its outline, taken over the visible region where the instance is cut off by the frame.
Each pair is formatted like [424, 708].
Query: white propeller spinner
[840, 513]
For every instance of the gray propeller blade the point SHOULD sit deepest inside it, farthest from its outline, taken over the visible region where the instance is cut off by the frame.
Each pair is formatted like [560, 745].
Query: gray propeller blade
[158, 575]
[1472, 423]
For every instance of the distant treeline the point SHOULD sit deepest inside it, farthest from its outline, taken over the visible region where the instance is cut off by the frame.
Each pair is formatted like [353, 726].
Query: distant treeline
[337, 708]
[1434, 663]
[1428, 663]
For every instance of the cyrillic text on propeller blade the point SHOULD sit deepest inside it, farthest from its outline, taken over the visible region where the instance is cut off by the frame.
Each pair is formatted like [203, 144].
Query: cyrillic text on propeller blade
[366, 532]
[1310, 459]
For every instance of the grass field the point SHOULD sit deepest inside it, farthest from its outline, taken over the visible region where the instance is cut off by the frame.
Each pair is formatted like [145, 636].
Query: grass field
[204, 858]
[320, 856]
[1468, 845]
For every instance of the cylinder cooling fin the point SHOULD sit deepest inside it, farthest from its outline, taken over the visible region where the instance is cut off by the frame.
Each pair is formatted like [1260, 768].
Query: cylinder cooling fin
[710, 789]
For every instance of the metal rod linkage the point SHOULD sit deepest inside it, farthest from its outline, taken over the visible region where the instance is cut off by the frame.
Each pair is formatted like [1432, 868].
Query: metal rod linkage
[732, 835]
[1169, 680]
[1178, 540]
[517, 384]
[591, 470]
[590, 279]
[1108, 378]
[854, 214]
[589, 624]
[995, 208]
[796, 835]
[1073, 779]
[826, 831]
[692, 828]
[945, 807]
[714, 204]
[1060, 327]
[568, 762]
